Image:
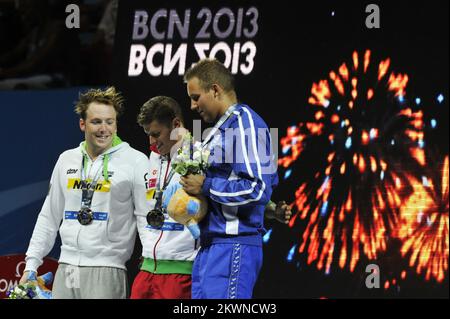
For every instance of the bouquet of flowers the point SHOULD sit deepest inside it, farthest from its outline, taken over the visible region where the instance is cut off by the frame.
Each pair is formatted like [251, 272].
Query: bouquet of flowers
[182, 207]
[190, 158]
[33, 288]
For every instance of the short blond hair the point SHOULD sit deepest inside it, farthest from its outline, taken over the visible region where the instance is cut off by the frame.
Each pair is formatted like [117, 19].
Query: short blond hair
[108, 96]
[209, 72]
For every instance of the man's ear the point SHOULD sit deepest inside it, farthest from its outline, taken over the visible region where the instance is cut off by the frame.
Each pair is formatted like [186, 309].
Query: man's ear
[217, 90]
[82, 125]
[176, 122]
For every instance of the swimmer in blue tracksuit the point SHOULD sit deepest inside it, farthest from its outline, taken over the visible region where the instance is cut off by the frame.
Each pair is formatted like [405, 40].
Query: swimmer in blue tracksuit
[238, 185]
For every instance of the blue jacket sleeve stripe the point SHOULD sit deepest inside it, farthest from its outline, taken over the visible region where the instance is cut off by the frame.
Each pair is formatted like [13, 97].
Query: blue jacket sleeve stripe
[253, 139]
[247, 165]
[244, 146]
[235, 198]
[246, 160]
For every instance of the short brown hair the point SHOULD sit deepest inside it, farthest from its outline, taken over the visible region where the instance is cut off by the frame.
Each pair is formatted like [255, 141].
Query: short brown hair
[160, 108]
[109, 97]
[209, 72]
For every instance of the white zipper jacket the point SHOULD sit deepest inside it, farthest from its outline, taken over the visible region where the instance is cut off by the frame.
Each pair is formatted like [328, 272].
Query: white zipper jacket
[109, 240]
[176, 242]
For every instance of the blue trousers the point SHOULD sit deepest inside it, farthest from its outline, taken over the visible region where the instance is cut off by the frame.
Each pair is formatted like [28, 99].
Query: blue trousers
[226, 271]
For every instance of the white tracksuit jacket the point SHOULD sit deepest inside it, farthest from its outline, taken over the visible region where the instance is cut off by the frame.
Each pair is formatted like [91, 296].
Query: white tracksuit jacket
[176, 242]
[107, 241]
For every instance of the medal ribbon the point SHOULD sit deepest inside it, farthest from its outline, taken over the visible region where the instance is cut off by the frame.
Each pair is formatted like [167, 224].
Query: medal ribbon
[167, 179]
[88, 192]
[219, 123]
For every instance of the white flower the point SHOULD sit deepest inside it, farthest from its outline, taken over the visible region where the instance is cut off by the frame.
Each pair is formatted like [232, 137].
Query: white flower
[205, 154]
[190, 158]
[197, 156]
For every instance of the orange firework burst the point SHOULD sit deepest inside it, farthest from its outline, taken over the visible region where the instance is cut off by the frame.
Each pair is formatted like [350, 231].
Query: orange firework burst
[361, 129]
[424, 220]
